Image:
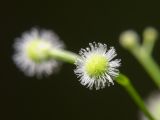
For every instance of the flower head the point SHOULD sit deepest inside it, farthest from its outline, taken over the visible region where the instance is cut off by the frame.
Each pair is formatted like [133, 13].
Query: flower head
[153, 105]
[32, 52]
[96, 66]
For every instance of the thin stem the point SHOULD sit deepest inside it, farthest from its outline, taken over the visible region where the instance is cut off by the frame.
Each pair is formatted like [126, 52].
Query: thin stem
[65, 56]
[125, 82]
[148, 63]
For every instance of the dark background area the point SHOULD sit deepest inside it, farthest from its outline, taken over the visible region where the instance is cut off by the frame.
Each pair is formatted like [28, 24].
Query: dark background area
[60, 96]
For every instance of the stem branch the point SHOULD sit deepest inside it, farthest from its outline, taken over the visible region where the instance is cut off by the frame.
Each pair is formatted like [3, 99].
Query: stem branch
[149, 64]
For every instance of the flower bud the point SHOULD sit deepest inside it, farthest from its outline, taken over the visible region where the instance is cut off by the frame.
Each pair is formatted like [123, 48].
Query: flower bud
[129, 39]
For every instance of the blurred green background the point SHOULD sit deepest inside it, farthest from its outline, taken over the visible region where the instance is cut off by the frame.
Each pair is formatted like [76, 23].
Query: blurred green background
[77, 22]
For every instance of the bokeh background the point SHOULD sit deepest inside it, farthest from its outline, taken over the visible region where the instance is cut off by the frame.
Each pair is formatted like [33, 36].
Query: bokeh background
[77, 22]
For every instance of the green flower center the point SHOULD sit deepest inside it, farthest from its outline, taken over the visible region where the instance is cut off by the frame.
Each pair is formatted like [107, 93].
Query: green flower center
[37, 50]
[96, 65]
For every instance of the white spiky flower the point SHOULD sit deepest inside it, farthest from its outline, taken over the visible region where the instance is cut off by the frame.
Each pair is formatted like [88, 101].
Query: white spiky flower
[31, 52]
[153, 105]
[96, 66]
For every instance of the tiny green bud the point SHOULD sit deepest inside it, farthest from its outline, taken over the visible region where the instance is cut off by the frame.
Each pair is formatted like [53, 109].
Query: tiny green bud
[150, 34]
[38, 50]
[129, 39]
[96, 65]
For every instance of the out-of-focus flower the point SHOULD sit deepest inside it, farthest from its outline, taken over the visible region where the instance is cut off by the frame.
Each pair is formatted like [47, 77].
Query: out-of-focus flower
[32, 52]
[153, 105]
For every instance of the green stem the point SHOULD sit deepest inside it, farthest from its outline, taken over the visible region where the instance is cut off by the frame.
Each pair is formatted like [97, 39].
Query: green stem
[148, 63]
[125, 82]
[64, 56]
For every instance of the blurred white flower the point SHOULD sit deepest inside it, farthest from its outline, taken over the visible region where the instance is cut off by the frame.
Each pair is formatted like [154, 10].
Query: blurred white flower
[31, 52]
[153, 105]
[96, 66]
